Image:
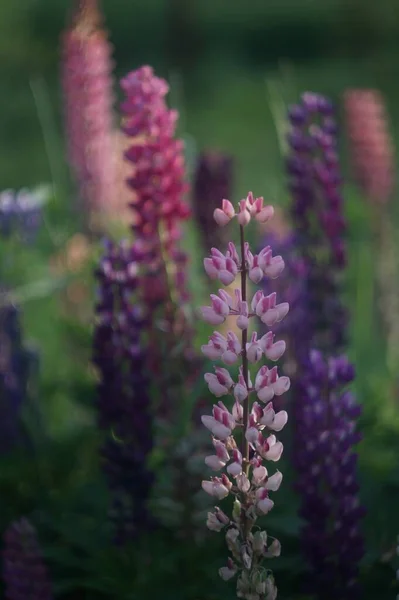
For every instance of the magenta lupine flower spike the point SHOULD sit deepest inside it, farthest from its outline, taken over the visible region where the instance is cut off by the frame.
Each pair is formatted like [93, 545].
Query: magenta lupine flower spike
[251, 411]
[88, 96]
[158, 186]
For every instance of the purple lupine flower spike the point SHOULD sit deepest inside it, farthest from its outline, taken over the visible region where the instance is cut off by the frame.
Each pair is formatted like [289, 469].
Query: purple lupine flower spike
[24, 572]
[123, 391]
[213, 179]
[324, 414]
[317, 211]
[327, 464]
[239, 464]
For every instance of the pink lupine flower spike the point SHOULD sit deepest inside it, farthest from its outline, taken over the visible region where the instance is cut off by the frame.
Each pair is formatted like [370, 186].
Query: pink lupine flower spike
[240, 461]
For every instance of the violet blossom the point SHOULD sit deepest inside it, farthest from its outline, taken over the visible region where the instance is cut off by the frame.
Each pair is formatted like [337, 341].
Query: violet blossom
[123, 391]
[240, 459]
[327, 464]
[324, 416]
[318, 218]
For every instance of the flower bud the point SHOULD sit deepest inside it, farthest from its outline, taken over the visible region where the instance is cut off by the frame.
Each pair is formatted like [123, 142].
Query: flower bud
[259, 542]
[244, 216]
[243, 483]
[274, 482]
[228, 572]
[232, 536]
[236, 510]
[246, 556]
[274, 549]
[224, 215]
[259, 474]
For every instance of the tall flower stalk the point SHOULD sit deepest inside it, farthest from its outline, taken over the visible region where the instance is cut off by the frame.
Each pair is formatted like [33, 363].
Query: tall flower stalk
[87, 85]
[372, 153]
[124, 409]
[327, 467]
[325, 413]
[372, 150]
[318, 217]
[158, 207]
[245, 477]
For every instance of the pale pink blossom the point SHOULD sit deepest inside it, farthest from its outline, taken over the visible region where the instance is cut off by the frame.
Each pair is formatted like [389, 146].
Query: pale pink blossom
[270, 448]
[218, 461]
[221, 423]
[228, 572]
[217, 520]
[264, 504]
[215, 347]
[219, 383]
[261, 213]
[272, 420]
[267, 310]
[242, 310]
[272, 266]
[274, 550]
[214, 462]
[240, 389]
[237, 411]
[244, 216]
[254, 349]
[218, 266]
[272, 350]
[235, 467]
[252, 431]
[268, 384]
[233, 349]
[220, 309]
[259, 475]
[223, 215]
[274, 482]
[243, 482]
[221, 450]
[216, 487]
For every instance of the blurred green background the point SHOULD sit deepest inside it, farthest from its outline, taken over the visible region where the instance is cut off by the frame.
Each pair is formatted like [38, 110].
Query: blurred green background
[220, 56]
[232, 66]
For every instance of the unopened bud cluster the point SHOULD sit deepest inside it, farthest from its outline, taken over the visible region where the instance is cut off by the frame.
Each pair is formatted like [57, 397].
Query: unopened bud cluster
[240, 460]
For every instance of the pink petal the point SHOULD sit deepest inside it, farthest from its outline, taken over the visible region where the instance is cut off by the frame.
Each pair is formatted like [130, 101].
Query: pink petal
[209, 315]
